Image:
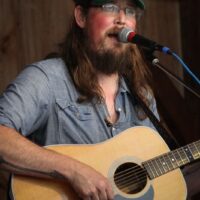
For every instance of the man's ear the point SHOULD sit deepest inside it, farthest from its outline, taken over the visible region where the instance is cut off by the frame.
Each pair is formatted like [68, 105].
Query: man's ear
[79, 16]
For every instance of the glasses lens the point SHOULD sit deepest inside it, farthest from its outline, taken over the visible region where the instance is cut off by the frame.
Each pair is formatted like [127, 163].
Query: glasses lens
[129, 11]
[134, 12]
[110, 8]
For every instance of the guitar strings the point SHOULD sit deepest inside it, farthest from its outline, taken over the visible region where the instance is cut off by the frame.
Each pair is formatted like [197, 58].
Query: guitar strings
[132, 182]
[139, 175]
[122, 173]
[133, 170]
[136, 170]
[129, 175]
[133, 179]
[127, 179]
[139, 178]
[120, 176]
[131, 186]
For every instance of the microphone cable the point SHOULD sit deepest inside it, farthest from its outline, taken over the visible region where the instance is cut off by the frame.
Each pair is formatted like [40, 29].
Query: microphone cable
[194, 77]
[128, 35]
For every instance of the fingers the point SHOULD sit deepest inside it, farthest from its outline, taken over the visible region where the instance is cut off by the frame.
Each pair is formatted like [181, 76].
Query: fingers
[97, 196]
[103, 195]
[105, 191]
[90, 184]
[89, 193]
[101, 192]
[109, 192]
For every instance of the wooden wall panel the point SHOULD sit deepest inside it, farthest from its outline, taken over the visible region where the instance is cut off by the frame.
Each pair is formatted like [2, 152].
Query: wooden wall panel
[30, 29]
[162, 24]
[8, 42]
[190, 32]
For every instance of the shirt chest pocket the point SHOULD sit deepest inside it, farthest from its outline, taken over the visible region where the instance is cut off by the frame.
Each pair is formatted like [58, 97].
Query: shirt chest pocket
[75, 111]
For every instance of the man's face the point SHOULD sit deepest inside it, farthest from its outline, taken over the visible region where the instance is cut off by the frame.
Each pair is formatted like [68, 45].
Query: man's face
[102, 27]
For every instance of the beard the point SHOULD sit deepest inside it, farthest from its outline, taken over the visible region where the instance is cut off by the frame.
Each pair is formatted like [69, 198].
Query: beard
[110, 60]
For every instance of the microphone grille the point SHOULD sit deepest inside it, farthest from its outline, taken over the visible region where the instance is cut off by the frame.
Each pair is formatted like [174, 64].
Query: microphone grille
[123, 34]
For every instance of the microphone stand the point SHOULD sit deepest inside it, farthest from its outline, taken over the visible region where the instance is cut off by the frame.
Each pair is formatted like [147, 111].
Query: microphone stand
[155, 62]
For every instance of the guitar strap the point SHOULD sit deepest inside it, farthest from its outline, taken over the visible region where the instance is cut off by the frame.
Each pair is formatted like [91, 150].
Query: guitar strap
[171, 142]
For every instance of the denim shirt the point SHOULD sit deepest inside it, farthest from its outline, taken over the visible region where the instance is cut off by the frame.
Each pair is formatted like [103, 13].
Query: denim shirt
[42, 105]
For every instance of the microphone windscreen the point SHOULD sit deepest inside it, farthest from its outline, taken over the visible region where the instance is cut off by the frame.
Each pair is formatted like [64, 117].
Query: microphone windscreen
[123, 34]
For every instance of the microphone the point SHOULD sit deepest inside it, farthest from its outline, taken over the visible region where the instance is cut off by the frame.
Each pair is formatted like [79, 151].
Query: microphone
[128, 35]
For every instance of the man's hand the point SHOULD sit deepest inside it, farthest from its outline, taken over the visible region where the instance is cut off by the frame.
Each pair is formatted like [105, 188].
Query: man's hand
[90, 184]
[21, 156]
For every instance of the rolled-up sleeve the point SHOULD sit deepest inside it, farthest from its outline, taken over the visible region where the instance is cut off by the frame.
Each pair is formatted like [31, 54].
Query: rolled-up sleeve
[24, 104]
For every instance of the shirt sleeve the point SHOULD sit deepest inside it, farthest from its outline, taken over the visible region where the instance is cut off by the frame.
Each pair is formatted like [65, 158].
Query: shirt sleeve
[24, 104]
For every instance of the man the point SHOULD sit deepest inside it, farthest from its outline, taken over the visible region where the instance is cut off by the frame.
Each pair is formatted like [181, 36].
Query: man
[80, 97]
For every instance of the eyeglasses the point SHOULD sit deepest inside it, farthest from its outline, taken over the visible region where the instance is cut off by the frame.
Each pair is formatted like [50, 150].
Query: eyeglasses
[114, 9]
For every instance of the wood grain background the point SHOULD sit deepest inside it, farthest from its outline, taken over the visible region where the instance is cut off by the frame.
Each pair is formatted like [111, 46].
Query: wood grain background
[30, 29]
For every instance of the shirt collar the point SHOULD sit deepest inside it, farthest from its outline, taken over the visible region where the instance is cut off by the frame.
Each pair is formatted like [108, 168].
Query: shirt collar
[123, 88]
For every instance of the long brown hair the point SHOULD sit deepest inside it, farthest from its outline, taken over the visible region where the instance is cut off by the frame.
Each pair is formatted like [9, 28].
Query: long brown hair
[84, 74]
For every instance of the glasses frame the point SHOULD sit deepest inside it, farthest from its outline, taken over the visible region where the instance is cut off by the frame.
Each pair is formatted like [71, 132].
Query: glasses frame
[115, 9]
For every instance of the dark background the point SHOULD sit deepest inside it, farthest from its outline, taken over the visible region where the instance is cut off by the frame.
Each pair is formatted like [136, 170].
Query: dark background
[30, 29]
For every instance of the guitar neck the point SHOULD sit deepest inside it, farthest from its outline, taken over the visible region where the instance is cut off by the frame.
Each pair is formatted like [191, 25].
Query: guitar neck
[174, 159]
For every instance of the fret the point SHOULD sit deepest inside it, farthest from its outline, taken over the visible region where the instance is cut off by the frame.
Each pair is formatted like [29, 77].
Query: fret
[167, 161]
[173, 160]
[197, 144]
[185, 153]
[194, 150]
[153, 168]
[157, 166]
[164, 163]
[149, 170]
[178, 158]
[170, 164]
[161, 166]
[183, 156]
[188, 153]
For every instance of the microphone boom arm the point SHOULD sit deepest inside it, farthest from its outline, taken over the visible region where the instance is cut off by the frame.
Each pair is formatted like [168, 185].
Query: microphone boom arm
[156, 63]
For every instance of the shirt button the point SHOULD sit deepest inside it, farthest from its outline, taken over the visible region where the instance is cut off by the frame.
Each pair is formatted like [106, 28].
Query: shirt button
[119, 109]
[113, 129]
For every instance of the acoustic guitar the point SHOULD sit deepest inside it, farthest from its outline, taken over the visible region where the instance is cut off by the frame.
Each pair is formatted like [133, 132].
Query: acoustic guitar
[137, 162]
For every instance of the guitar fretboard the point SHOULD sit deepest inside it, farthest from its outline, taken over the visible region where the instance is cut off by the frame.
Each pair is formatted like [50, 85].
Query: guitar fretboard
[172, 160]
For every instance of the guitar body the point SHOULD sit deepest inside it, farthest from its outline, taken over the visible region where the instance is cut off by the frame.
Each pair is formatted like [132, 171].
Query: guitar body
[124, 152]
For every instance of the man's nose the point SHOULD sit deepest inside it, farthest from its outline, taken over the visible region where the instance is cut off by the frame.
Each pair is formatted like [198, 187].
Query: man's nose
[120, 18]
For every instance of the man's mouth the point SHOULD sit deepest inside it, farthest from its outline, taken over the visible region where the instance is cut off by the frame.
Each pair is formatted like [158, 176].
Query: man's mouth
[113, 36]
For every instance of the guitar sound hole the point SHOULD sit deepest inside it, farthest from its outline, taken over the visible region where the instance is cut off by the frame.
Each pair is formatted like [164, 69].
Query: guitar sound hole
[130, 178]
